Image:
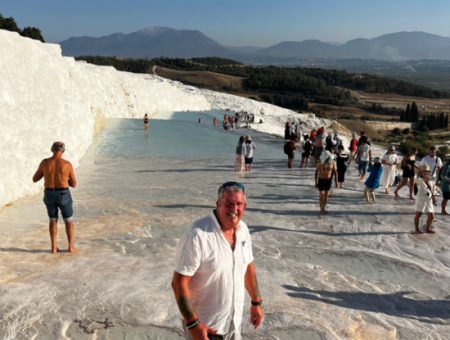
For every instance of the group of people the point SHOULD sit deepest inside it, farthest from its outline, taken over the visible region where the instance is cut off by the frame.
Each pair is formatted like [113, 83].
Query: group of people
[244, 154]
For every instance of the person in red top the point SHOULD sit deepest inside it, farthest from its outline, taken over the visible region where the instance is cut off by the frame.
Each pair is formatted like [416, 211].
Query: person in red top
[353, 147]
[321, 130]
[312, 136]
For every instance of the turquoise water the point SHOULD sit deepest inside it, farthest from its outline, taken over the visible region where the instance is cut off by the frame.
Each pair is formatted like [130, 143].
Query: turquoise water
[181, 137]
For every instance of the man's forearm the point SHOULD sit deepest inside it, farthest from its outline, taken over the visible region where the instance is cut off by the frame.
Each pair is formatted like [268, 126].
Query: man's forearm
[183, 297]
[251, 283]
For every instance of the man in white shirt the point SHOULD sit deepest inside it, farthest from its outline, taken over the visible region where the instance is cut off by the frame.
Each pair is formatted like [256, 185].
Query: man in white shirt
[434, 162]
[214, 264]
[292, 129]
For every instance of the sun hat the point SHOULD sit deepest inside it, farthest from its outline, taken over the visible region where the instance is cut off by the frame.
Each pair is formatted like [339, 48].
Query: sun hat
[248, 138]
[392, 148]
[377, 160]
[424, 168]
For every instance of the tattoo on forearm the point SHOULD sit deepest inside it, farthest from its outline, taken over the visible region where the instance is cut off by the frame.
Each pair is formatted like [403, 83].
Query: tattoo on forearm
[186, 307]
[257, 288]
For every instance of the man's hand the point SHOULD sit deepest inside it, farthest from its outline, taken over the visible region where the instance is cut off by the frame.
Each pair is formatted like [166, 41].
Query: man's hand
[200, 332]
[317, 186]
[256, 315]
[438, 183]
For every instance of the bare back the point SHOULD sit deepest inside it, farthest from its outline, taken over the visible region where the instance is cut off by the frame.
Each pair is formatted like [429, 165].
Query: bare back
[57, 173]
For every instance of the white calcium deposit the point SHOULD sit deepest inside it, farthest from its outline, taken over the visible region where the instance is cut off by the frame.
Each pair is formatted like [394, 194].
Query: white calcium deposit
[45, 97]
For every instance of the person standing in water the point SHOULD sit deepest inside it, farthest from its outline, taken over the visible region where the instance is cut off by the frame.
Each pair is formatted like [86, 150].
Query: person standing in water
[408, 165]
[425, 199]
[341, 164]
[249, 147]
[373, 182]
[389, 162]
[364, 156]
[353, 147]
[145, 121]
[215, 121]
[307, 148]
[58, 176]
[239, 163]
[289, 150]
[323, 177]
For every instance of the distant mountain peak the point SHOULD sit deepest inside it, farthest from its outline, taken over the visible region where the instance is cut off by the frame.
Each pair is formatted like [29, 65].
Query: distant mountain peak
[155, 30]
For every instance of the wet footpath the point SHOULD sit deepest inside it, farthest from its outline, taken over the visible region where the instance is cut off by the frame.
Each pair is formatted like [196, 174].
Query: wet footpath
[357, 273]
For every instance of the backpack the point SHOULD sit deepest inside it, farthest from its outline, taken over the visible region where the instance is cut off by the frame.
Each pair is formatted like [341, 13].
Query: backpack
[287, 148]
[308, 147]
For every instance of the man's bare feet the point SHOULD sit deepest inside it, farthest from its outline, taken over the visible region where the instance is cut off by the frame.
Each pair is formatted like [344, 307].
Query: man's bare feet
[430, 231]
[341, 186]
[72, 249]
[325, 212]
[387, 192]
[396, 195]
[412, 198]
[55, 250]
[444, 213]
[417, 231]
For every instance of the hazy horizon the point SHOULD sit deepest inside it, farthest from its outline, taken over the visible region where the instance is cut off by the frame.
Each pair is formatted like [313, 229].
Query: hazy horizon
[253, 23]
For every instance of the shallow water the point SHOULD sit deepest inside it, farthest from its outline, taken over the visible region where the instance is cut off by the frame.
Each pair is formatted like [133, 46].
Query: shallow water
[358, 273]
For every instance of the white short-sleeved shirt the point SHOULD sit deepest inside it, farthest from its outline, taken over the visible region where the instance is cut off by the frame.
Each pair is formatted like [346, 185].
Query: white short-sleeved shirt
[217, 285]
[431, 162]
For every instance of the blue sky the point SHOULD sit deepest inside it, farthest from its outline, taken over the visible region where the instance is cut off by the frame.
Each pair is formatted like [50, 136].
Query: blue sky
[234, 23]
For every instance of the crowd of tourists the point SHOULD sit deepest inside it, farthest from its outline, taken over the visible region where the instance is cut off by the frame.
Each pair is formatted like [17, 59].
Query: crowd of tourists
[422, 179]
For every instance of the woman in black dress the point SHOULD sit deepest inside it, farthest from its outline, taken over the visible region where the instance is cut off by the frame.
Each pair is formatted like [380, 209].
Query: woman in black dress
[408, 165]
[341, 163]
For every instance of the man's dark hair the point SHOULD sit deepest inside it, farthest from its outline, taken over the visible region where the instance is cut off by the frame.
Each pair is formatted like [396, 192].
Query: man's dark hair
[58, 147]
[363, 139]
[340, 147]
[432, 148]
[294, 137]
[362, 133]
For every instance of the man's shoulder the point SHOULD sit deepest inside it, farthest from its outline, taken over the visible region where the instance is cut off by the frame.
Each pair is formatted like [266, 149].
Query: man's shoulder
[201, 225]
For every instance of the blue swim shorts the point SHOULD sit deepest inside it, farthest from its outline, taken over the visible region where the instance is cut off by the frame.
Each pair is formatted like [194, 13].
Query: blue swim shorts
[61, 199]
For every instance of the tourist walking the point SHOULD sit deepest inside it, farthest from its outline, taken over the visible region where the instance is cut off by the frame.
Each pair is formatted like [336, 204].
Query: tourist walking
[329, 142]
[215, 121]
[364, 156]
[341, 165]
[213, 268]
[408, 165]
[249, 147]
[145, 119]
[58, 175]
[292, 129]
[444, 178]
[434, 162]
[299, 131]
[425, 199]
[373, 182]
[353, 147]
[389, 162]
[318, 146]
[287, 131]
[323, 176]
[307, 148]
[289, 150]
[312, 136]
[239, 164]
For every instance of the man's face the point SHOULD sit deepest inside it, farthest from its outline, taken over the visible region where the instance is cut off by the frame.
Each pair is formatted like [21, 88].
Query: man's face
[432, 153]
[230, 209]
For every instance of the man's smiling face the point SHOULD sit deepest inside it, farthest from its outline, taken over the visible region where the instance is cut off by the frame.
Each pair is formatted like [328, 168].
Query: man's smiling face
[230, 209]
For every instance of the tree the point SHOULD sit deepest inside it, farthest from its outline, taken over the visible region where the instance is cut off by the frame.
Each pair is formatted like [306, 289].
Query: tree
[33, 33]
[9, 24]
[408, 113]
[402, 116]
[441, 120]
[446, 121]
[414, 112]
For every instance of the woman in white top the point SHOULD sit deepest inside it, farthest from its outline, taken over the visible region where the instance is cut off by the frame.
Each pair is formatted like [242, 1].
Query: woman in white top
[425, 199]
[389, 162]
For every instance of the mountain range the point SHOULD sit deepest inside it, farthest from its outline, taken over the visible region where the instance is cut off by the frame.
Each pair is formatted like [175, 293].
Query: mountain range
[154, 42]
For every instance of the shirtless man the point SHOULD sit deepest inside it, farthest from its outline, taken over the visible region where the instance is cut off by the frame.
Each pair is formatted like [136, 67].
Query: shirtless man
[58, 176]
[325, 170]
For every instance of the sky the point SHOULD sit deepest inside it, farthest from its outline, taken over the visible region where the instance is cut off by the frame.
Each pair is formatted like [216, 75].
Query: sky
[259, 23]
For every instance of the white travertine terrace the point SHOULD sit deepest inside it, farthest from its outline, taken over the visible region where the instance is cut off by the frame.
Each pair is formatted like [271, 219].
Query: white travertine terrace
[45, 97]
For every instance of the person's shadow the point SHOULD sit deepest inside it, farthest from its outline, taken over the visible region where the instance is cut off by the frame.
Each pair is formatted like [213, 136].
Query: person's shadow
[396, 304]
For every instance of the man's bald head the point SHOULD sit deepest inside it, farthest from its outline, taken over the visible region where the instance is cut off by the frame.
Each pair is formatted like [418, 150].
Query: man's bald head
[58, 147]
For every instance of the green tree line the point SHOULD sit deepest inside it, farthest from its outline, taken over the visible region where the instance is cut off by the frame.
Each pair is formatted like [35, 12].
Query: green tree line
[308, 82]
[10, 24]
